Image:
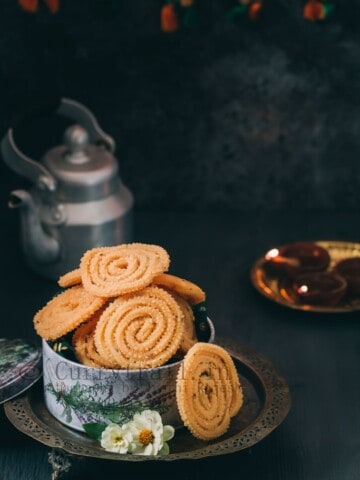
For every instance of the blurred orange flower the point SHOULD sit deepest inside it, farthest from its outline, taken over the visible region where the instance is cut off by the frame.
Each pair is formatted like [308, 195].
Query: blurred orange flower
[254, 10]
[32, 6]
[314, 10]
[168, 19]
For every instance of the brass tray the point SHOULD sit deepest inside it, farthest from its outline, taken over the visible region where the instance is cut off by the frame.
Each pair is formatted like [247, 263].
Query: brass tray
[266, 404]
[278, 289]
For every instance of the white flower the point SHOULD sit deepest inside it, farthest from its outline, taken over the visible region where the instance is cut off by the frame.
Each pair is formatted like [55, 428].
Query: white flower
[116, 438]
[149, 436]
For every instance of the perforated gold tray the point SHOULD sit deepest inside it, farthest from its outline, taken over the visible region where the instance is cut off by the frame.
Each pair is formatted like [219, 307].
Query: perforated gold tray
[278, 289]
[266, 404]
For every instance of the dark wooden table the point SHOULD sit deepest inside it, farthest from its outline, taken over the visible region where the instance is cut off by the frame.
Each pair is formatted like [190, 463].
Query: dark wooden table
[318, 354]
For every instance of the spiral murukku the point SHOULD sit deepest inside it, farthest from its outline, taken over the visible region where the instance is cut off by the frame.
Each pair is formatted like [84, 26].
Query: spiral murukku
[113, 271]
[186, 289]
[65, 312]
[162, 255]
[189, 337]
[70, 279]
[140, 330]
[84, 346]
[208, 391]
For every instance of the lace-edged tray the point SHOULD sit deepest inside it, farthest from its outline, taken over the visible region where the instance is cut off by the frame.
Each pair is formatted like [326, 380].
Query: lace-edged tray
[266, 403]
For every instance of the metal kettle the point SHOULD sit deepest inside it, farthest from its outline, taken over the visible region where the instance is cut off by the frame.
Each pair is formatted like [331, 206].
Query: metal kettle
[77, 200]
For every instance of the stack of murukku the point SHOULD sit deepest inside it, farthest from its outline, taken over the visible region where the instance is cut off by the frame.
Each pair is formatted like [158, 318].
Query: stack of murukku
[122, 309]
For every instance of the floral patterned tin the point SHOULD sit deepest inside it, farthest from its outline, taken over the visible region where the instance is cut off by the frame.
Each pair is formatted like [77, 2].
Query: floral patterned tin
[20, 367]
[76, 394]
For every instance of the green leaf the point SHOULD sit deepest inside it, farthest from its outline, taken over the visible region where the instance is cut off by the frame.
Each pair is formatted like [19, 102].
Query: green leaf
[165, 450]
[328, 9]
[94, 430]
[235, 12]
[189, 19]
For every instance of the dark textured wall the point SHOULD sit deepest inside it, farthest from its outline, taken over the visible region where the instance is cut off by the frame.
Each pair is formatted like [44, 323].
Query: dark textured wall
[226, 116]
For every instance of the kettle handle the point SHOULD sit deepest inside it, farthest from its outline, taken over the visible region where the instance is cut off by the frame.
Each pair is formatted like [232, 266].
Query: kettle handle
[83, 116]
[35, 171]
[24, 165]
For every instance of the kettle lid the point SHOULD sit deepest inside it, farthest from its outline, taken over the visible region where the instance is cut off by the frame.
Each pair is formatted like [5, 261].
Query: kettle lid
[79, 162]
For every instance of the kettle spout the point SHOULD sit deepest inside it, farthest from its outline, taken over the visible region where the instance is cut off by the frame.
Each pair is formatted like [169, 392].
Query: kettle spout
[38, 245]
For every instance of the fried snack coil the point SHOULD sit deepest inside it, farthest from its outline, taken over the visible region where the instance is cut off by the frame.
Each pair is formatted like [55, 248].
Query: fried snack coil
[84, 346]
[189, 336]
[70, 279]
[113, 271]
[162, 255]
[65, 312]
[208, 391]
[140, 330]
[186, 289]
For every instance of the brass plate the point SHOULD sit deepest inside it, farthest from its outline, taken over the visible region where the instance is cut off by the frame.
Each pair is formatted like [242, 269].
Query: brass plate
[266, 404]
[278, 289]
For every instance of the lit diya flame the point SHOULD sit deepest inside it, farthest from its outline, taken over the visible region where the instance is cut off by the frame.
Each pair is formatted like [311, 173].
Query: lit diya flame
[303, 289]
[274, 252]
[273, 255]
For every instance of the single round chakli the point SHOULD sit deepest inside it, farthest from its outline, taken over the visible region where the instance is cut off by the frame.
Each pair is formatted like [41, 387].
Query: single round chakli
[208, 391]
[74, 306]
[84, 346]
[279, 289]
[186, 289]
[189, 337]
[113, 271]
[70, 279]
[141, 330]
[266, 403]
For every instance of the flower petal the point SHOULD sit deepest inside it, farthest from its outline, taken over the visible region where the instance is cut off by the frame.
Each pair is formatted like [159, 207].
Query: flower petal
[168, 433]
[115, 439]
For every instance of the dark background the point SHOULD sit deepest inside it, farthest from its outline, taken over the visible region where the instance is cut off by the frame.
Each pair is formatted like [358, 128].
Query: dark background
[261, 118]
[241, 116]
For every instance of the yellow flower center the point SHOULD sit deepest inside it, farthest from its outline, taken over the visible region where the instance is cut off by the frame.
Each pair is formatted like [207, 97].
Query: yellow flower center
[118, 439]
[146, 436]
